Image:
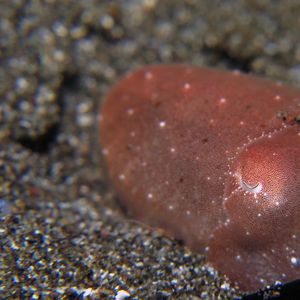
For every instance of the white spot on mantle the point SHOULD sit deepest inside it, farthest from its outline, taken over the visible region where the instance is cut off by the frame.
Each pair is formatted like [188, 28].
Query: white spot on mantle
[187, 86]
[162, 124]
[130, 111]
[148, 75]
[122, 177]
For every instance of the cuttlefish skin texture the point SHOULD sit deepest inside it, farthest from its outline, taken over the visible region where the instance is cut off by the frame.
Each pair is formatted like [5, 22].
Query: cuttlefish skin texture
[213, 158]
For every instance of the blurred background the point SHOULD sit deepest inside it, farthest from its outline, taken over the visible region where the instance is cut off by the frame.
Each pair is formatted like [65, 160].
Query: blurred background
[62, 234]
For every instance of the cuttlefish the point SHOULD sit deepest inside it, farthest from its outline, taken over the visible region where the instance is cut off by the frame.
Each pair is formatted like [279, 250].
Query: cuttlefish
[213, 158]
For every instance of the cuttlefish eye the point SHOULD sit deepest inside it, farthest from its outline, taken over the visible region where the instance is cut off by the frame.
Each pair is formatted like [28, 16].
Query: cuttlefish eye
[255, 189]
[260, 238]
[261, 187]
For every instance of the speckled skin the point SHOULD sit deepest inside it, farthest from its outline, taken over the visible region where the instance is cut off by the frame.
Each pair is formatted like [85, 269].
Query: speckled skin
[63, 225]
[189, 148]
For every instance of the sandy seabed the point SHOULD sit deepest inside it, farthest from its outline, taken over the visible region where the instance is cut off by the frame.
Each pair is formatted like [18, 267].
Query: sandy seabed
[62, 233]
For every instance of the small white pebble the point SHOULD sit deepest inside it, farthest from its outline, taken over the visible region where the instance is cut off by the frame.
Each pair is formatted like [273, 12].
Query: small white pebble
[88, 292]
[22, 84]
[294, 261]
[225, 286]
[85, 120]
[122, 295]
[278, 283]
[107, 21]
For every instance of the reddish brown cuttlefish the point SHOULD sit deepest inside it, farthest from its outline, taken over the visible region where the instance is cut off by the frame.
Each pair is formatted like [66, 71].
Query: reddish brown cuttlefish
[212, 157]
